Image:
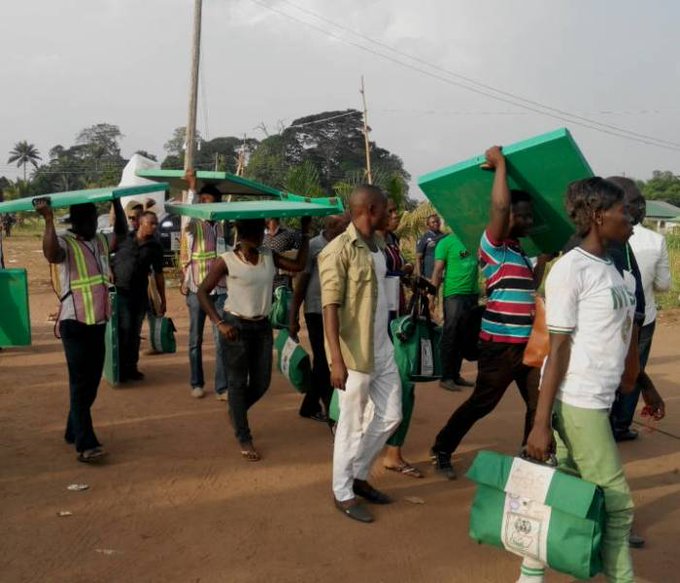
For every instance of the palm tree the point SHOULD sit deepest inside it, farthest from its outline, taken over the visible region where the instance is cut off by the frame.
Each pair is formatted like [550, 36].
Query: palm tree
[23, 154]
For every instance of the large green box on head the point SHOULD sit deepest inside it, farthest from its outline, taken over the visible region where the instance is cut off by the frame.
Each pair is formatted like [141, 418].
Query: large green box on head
[15, 317]
[543, 166]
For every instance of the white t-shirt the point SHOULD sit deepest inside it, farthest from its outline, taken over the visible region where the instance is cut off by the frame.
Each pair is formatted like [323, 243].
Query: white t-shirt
[588, 299]
[651, 255]
[250, 286]
[382, 345]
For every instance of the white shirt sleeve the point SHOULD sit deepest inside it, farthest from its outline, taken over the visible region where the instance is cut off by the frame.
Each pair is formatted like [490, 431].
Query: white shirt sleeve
[562, 289]
[662, 271]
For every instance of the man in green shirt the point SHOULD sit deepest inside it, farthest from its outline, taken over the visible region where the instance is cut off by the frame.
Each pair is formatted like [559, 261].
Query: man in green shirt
[458, 267]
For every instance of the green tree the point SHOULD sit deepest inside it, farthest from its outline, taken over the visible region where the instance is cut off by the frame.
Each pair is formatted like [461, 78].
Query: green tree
[24, 154]
[663, 185]
[98, 151]
[333, 142]
[303, 180]
[268, 164]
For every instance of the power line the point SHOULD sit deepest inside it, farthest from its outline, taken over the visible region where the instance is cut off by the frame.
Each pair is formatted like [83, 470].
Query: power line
[474, 81]
[478, 88]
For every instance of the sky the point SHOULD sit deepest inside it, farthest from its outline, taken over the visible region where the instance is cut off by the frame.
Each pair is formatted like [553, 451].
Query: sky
[74, 63]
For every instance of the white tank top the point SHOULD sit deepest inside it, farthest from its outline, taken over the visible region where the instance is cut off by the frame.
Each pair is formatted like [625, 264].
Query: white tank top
[250, 286]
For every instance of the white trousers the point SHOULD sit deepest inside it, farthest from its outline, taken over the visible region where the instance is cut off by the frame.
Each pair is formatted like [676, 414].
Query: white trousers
[357, 445]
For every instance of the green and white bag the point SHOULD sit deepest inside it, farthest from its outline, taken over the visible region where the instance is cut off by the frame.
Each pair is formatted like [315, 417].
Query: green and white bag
[293, 361]
[279, 316]
[537, 511]
[162, 334]
[417, 341]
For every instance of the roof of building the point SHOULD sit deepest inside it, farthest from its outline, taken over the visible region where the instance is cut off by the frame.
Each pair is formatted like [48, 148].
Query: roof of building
[658, 209]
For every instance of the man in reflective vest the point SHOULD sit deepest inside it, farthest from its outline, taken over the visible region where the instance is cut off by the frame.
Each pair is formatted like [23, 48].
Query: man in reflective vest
[80, 274]
[205, 241]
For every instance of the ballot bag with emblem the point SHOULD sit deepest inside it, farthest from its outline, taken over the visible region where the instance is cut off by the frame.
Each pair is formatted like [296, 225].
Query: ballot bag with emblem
[162, 334]
[279, 316]
[417, 341]
[293, 361]
[537, 511]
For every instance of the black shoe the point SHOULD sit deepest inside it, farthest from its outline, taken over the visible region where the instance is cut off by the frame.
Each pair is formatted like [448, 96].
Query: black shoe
[354, 510]
[635, 541]
[318, 416]
[461, 382]
[135, 375]
[365, 490]
[442, 464]
[628, 435]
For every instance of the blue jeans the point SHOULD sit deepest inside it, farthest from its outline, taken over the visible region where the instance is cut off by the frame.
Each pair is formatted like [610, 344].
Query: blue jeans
[196, 325]
[623, 410]
[250, 369]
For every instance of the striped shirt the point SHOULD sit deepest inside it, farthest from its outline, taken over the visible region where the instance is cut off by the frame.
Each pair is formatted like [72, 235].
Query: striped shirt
[510, 309]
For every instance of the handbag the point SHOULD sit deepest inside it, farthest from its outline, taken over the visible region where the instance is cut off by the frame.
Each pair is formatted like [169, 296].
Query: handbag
[162, 334]
[279, 315]
[538, 346]
[417, 341]
[293, 361]
[537, 511]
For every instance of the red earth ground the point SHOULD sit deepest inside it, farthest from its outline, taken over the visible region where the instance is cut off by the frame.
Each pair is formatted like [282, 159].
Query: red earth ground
[175, 502]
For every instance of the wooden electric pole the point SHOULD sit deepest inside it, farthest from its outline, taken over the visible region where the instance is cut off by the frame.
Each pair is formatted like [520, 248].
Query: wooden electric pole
[190, 146]
[367, 143]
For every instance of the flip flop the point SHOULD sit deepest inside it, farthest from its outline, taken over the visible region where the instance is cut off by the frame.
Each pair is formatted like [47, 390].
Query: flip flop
[250, 456]
[91, 456]
[406, 469]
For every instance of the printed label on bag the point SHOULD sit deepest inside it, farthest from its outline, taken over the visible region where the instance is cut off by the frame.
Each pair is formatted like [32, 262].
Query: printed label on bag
[524, 530]
[286, 354]
[529, 480]
[426, 357]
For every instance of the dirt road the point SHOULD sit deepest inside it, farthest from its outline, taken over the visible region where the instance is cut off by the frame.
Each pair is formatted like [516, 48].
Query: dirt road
[175, 502]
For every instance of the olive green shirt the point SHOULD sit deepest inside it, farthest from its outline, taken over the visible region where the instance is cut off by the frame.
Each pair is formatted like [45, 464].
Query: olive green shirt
[348, 280]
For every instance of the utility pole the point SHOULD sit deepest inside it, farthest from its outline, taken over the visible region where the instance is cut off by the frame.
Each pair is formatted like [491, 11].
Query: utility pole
[367, 143]
[190, 138]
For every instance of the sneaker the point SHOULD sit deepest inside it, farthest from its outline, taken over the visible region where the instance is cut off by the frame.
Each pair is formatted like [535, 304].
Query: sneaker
[222, 396]
[449, 385]
[197, 393]
[443, 465]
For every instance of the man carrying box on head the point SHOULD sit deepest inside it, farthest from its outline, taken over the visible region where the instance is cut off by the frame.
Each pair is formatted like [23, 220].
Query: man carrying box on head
[81, 277]
[511, 284]
[205, 242]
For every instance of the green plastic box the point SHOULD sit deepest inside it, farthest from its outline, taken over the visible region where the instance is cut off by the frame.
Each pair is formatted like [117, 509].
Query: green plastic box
[543, 166]
[93, 195]
[112, 358]
[290, 205]
[15, 317]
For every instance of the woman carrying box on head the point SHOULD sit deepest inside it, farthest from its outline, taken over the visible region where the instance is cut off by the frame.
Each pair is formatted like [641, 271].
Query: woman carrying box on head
[246, 333]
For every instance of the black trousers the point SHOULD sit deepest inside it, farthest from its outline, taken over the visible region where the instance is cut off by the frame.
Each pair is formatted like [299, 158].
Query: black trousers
[320, 392]
[499, 365]
[85, 349]
[131, 314]
[454, 308]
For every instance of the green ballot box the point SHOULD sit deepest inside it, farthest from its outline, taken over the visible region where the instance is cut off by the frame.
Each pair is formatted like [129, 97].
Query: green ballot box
[15, 318]
[543, 166]
[112, 359]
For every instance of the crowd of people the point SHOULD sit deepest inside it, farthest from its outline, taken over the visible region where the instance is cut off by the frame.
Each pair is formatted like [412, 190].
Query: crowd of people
[600, 313]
